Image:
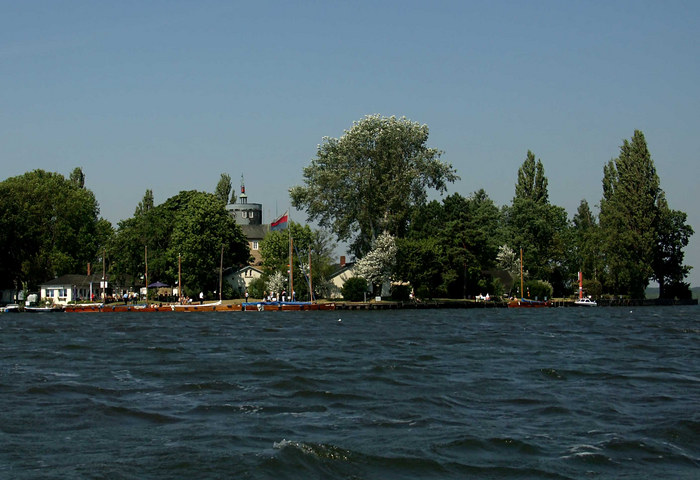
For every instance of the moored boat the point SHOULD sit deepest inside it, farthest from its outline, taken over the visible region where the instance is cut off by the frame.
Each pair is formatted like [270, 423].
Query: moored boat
[585, 302]
[285, 306]
[197, 307]
[52, 309]
[527, 303]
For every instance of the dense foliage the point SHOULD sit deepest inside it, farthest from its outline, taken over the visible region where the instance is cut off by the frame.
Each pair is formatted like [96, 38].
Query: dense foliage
[189, 228]
[369, 187]
[450, 246]
[641, 237]
[49, 226]
[354, 289]
[368, 181]
[312, 258]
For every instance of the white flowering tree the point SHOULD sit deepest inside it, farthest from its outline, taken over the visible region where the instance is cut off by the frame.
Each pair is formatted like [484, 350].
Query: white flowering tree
[370, 179]
[277, 282]
[378, 265]
[507, 259]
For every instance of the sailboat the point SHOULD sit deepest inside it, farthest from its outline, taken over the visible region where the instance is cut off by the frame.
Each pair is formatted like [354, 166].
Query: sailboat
[525, 302]
[292, 304]
[583, 301]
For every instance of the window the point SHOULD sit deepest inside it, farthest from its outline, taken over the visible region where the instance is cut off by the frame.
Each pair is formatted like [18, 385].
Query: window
[255, 244]
[244, 214]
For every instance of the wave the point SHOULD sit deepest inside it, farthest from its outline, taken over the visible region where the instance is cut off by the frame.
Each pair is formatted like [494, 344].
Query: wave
[122, 413]
[307, 459]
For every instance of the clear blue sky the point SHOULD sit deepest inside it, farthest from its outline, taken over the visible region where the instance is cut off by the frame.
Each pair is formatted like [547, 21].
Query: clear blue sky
[168, 95]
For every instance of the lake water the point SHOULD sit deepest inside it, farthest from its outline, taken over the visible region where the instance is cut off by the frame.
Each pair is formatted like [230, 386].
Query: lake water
[497, 393]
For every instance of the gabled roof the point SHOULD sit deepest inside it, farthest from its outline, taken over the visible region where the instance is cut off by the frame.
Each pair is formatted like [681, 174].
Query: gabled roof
[73, 279]
[249, 267]
[342, 269]
[255, 232]
[82, 280]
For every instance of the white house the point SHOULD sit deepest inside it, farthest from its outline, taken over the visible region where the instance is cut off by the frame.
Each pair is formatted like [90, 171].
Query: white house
[338, 279]
[240, 279]
[71, 288]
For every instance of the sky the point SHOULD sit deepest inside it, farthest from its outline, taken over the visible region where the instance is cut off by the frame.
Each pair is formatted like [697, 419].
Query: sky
[168, 95]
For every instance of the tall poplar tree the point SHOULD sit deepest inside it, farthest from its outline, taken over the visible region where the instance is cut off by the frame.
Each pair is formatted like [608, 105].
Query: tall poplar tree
[628, 217]
[223, 188]
[532, 183]
[539, 228]
[585, 233]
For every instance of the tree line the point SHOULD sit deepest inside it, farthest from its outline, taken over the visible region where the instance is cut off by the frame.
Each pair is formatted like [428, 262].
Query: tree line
[368, 188]
[374, 180]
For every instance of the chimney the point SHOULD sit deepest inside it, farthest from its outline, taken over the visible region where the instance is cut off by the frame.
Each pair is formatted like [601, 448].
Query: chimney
[88, 269]
[342, 261]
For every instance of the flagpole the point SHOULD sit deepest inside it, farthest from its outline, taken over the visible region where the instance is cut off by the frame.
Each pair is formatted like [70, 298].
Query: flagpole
[291, 264]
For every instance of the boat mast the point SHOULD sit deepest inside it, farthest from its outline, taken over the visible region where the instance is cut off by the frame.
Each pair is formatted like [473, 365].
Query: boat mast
[179, 275]
[522, 293]
[145, 256]
[291, 264]
[311, 290]
[221, 270]
[580, 285]
[104, 276]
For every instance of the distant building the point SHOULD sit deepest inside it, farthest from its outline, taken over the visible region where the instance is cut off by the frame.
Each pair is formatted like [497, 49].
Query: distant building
[71, 288]
[249, 217]
[240, 279]
[245, 213]
[345, 271]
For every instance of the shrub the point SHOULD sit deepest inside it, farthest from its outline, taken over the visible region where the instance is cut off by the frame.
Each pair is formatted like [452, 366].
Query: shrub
[354, 289]
[256, 287]
[592, 287]
[538, 289]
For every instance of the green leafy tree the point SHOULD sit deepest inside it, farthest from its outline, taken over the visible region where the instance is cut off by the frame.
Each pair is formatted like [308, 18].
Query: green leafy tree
[539, 228]
[628, 217]
[450, 246]
[420, 261]
[470, 239]
[672, 236]
[532, 183]
[78, 177]
[49, 226]
[369, 180]
[146, 204]
[354, 289]
[586, 252]
[200, 230]
[275, 247]
[191, 224]
[223, 188]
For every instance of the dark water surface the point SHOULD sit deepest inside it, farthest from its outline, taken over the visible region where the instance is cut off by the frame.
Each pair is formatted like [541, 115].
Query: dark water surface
[556, 393]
